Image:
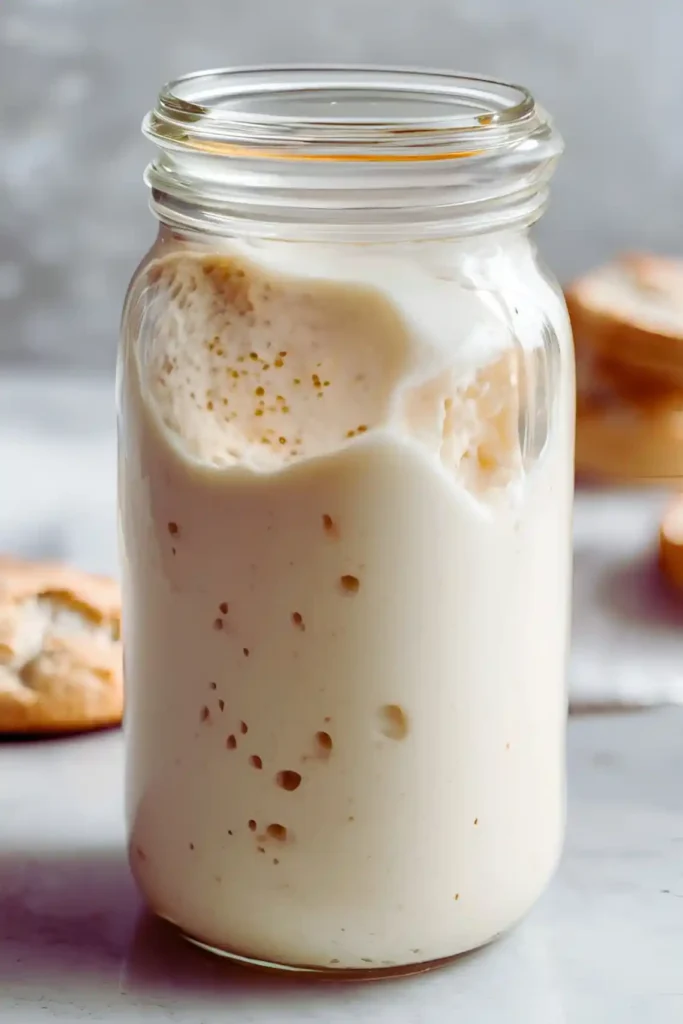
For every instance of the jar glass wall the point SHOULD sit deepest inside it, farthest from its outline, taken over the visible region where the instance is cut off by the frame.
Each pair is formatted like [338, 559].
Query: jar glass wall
[346, 458]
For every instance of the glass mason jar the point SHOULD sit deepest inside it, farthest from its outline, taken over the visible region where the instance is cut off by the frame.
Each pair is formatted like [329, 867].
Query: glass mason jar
[346, 460]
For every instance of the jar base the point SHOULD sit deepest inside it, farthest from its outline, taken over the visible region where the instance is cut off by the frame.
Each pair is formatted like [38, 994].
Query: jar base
[317, 973]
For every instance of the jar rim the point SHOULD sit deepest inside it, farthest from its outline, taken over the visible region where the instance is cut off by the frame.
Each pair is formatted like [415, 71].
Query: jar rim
[341, 112]
[345, 149]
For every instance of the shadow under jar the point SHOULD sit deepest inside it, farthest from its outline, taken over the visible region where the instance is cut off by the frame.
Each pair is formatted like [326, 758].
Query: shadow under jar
[346, 400]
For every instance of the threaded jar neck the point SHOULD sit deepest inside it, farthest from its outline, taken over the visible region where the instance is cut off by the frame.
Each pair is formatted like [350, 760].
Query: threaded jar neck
[357, 152]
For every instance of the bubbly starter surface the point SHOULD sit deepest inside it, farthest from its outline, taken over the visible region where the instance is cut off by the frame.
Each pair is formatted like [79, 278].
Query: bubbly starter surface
[345, 516]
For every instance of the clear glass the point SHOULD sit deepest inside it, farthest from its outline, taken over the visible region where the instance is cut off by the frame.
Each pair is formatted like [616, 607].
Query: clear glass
[346, 465]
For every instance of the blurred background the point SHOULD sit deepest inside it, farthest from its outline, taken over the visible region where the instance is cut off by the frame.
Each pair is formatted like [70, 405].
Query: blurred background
[76, 77]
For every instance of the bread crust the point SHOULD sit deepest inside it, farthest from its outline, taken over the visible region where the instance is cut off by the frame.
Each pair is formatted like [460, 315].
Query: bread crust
[630, 444]
[627, 320]
[671, 542]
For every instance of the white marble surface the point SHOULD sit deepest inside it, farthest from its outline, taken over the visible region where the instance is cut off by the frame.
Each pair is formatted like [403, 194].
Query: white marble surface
[627, 638]
[604, 946]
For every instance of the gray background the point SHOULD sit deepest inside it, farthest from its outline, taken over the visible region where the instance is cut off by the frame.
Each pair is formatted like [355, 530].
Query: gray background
[76, 77]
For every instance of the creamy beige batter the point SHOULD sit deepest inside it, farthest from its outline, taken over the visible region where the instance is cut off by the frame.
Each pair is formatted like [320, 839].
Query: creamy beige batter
[346, 521]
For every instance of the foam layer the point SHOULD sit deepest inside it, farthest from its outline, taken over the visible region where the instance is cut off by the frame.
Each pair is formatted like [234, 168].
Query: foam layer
[248, 366]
